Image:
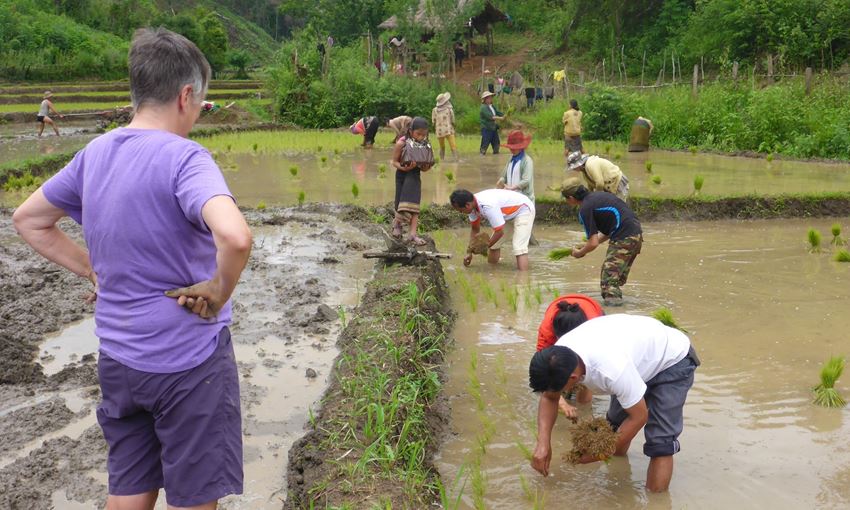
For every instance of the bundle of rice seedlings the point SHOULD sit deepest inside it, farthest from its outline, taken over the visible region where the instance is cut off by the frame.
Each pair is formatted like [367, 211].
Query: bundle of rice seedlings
[648, 166]
[656, 179]
[836, 235]
[450, 176]
[825, 394]
[301, 197]
[479, 244]
[293, 170]
[665, 316]
[698, 182]
[355, 190]
[842, 256]
[560, 253]
[814, 240]
[593, 437]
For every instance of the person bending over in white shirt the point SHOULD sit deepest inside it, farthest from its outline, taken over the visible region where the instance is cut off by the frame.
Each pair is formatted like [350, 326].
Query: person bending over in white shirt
[645, 366]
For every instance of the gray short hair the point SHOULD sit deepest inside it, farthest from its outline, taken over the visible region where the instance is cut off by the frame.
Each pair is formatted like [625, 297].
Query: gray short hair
[161, 63]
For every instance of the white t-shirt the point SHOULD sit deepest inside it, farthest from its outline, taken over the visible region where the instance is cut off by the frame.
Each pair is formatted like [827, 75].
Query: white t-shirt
[498, 206]
[621, 352]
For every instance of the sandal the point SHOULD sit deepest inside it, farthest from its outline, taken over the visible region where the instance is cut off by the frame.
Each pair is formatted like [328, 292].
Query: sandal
[416, 240]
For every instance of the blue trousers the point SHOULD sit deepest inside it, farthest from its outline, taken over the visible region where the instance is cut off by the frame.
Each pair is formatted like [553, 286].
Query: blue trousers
[489, 137]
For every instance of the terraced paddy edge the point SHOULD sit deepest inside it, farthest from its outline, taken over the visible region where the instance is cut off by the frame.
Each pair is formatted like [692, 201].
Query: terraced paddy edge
[27, 101]
[111, 86]
[383, 415]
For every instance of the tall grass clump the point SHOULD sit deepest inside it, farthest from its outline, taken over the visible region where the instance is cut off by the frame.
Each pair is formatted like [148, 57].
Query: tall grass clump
[665, 316]
[836, 235]
[825, 394]
[814, 239]
[699, 180]
[842, 255]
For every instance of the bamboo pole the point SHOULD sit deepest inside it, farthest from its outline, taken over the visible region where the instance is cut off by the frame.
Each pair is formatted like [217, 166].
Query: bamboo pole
[695, 80]
[642, 67]
[808, 80]
[770, 68]
[380, 57]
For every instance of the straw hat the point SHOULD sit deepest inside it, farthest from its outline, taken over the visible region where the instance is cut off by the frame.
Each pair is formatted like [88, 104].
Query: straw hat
[47, 95]
[570, 186]
[517, 140]
[486, 94]
[443, 98]
[576, 159]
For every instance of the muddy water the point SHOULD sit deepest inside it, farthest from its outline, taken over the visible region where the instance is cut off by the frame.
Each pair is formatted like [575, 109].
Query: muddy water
[266, 177]
[763, 313]
[279, 335]
[27, 145]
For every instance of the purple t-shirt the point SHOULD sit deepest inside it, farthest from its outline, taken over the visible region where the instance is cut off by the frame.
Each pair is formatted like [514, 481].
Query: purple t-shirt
[138, 195]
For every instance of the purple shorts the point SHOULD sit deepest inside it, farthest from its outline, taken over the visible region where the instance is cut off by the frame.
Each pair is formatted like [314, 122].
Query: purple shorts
[181, 431]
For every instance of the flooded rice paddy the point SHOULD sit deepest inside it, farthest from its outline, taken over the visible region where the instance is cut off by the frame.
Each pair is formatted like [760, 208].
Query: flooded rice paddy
[763, 314]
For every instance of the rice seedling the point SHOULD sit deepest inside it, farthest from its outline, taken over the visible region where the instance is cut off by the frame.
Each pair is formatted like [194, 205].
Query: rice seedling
[479, 485]
[607, 148]
[261, 205]
[538, 294]
[656, 179]
[665, 316]
[324, 159]
[319, 148]
[617, 156]
[512, 296]
[458, 485]
[534, 496]
[473, 383]
[293, 170]
[355, 190]
[450, 176]
[825, 394]
[693, 149]
[814, 239]
[842, 255]
[648, 166]
[255, 146]
[336, 151]
[489, 293]
[699, 180]
[560, 253]
[770, 157]
[229, 147]
[593, 437]
[301, 197]
[836, 235]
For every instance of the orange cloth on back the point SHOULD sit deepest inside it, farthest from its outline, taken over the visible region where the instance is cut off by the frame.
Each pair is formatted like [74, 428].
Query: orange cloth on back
[546, 333]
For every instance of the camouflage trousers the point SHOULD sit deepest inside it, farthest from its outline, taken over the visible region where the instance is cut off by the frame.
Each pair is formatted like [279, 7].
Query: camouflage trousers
[618, 262]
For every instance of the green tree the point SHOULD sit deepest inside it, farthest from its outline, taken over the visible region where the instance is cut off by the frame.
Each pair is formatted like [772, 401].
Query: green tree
[240, 60]
[214, 41]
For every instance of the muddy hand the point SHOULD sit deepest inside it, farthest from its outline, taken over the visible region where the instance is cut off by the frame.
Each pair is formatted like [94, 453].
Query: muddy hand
[540, 459]
[467, 260]
[202, 299]
[569, 411]
[91, 297]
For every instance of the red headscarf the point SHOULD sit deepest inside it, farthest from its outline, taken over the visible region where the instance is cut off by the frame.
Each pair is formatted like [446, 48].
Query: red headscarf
[546, 333]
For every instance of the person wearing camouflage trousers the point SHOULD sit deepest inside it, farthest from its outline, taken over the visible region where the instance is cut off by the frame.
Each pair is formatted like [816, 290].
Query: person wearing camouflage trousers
[607, 218]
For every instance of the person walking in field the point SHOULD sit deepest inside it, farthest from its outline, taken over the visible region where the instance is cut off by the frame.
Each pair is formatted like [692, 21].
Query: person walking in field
[607, 218]
[44, 111]
[518, 174]
[599, 174]
[412, 155]
[488, 115]
[647, 368]
[167, 245]
[443, 119]
[498, 207]
[572, 129]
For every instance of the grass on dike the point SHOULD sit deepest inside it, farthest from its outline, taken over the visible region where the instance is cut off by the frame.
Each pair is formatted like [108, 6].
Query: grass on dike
[341, 140]
[57, 96]
[72, 107]
[386, 424]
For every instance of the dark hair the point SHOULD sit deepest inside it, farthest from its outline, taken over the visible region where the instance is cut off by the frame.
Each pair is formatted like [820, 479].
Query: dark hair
[578, 193]
[573, 104]
[416, 123]
[161, 63]
[569, 317]
[550, 369]
[461, 197]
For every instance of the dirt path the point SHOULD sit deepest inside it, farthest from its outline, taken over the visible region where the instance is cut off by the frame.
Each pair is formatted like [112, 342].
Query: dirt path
[52, 454]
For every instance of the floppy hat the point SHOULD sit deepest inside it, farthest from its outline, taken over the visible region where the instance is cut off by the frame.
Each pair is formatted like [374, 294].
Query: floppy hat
[47, 95]
[517, 140]
[486, 94]
[576, 159]
[443, 98]
[570, 186]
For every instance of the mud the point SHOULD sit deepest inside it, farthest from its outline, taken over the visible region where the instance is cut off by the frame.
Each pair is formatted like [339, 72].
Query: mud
[315, 474]
[52, 454]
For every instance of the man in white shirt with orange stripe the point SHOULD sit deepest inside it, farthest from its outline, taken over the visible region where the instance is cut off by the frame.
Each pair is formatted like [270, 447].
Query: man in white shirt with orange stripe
[498, 207]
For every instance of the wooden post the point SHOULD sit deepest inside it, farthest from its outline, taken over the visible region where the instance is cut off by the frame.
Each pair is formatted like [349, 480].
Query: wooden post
[380, 57]
[623, 62]
[695, 80]
[369, 42]
[735, 71]
[642, 67]
[581, 78]
[454, 64]
[808, 80]
[673, 62]
[770, 68]
[295, 60]
[702, 69]
[483, 84]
